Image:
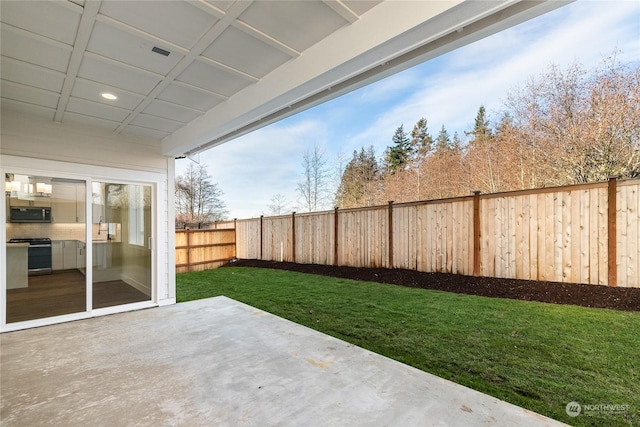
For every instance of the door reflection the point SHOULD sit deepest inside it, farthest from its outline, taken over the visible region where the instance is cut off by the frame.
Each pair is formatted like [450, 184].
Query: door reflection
[45, 226]
[121, 234]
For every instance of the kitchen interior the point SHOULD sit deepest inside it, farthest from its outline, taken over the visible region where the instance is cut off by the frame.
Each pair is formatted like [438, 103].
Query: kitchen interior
[46, 245]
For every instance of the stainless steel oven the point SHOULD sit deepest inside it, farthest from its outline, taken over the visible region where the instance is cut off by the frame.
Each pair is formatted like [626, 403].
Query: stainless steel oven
[39, 261]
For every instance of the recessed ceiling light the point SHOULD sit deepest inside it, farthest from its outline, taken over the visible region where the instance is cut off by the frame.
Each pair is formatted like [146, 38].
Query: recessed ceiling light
[109, 96]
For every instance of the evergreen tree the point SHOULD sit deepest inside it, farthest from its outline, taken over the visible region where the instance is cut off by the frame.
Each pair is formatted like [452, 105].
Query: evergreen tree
[421, 141]
[456, 143]
[481, 126]
[483, 155]
[359, 180]
[398, 154]
[443, 142]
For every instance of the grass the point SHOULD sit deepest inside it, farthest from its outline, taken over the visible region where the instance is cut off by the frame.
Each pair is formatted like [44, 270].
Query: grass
[534, 355]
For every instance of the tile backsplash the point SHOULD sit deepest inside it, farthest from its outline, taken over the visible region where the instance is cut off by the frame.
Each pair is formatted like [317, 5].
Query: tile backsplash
[61, 231]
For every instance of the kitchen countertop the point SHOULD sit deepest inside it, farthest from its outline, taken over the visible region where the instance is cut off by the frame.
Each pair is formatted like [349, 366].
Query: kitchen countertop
[17, 245]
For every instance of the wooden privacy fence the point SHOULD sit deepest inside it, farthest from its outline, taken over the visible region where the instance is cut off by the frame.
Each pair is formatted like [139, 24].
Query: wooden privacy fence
[198, 250]
[582, 233]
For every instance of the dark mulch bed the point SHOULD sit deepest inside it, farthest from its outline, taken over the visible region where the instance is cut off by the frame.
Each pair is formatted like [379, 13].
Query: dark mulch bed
[627, 299]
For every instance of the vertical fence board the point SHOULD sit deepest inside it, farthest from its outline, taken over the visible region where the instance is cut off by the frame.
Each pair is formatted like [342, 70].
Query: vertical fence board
[633, 225]
[558, 242]
[549, 229]
[633, 228]
[584, 236]
[533, 236]
[457, 238]
[621, 236]
[593, 237]
[448, 238]
[575, 237]
[628, 234]
[519, 236]
[431, 229]
[603, 231]
[471, 256]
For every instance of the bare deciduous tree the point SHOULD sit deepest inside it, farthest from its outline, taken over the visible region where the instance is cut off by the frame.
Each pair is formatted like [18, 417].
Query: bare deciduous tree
[584, 125]
[198, 200]
[278, 205]
[313, 188]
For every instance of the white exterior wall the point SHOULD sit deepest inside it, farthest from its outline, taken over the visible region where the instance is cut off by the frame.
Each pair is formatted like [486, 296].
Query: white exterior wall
[41, 146]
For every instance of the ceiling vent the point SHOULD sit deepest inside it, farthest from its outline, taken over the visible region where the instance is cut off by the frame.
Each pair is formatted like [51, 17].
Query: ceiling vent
[156, 49]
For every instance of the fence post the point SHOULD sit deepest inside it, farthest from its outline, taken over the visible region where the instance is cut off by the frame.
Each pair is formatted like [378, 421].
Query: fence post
[476, 233]
[335, 237]
[293, 236]
[390, 233]
[261, 216]
[235, 238]
[611, 221]
[188, 231]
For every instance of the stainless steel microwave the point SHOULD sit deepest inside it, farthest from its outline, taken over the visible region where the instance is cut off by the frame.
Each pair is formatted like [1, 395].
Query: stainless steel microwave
[30, 215]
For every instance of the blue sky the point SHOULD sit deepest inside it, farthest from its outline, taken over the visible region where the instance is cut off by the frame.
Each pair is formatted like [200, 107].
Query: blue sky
[446, 91]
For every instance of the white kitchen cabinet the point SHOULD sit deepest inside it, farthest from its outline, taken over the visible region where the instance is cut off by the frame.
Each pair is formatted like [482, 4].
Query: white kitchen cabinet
[70, 260]
[17, 265]
[68, 202]
[81, 256]
[32, 201]
[64, 254]
[57, 255]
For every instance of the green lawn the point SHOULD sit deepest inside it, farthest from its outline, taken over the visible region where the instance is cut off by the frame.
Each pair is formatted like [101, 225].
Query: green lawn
[538, 356]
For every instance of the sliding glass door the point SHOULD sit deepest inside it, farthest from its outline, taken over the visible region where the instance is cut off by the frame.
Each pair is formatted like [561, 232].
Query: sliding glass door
[45, 231]
[121, 244]
[49, 231]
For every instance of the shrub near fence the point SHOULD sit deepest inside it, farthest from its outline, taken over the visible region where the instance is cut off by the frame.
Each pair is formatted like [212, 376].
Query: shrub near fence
[583, 233]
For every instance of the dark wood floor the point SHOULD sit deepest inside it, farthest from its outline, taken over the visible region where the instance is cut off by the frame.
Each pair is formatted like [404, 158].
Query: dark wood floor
[64, 293]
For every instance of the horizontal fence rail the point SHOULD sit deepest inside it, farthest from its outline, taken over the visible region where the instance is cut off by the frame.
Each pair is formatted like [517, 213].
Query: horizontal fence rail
[585, 233]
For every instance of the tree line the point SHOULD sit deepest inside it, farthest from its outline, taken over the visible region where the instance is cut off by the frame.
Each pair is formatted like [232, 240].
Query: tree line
[566, 126]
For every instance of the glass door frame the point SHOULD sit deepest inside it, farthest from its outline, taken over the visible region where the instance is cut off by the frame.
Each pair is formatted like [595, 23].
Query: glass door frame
[86, 173]
[152, 247]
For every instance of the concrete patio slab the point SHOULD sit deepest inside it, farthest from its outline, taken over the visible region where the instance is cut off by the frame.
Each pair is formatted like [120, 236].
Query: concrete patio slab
[218, 362]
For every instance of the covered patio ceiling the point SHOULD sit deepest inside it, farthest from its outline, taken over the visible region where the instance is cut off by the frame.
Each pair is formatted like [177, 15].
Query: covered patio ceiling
[194, 74]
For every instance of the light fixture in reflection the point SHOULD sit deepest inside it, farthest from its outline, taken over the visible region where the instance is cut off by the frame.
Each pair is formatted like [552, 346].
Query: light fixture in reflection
[109, 96]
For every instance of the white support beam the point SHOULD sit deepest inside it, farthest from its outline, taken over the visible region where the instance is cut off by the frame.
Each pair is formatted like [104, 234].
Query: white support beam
[342, 10]
[85, 28]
